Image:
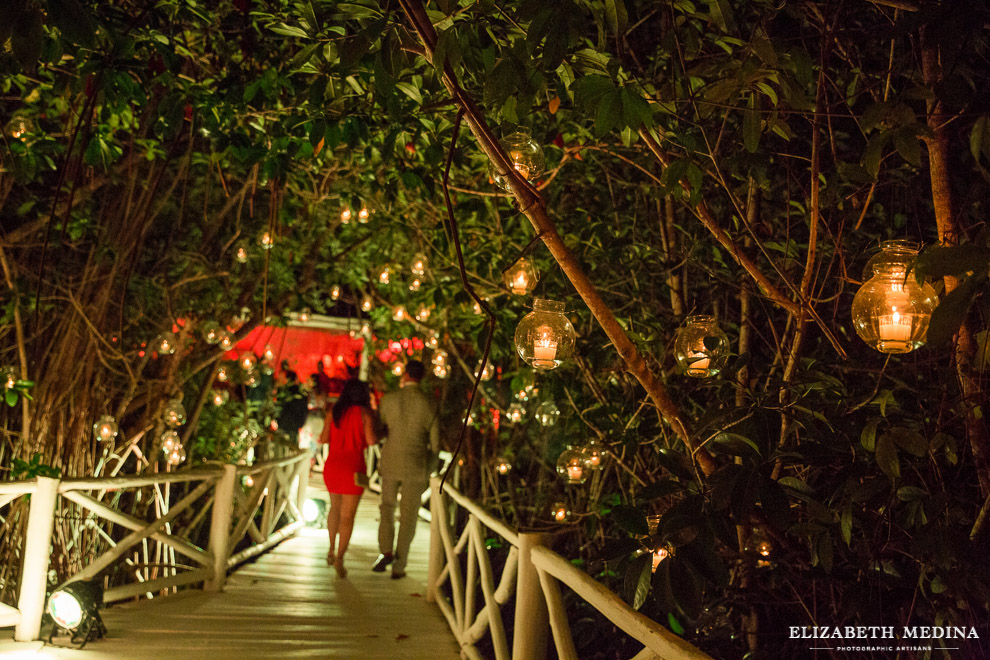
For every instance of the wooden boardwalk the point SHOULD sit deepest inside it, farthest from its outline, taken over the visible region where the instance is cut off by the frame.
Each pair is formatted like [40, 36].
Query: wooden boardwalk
[289, 604]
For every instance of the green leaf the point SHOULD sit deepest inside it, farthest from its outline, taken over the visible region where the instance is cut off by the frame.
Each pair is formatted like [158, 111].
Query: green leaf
[825, 549]
[846, 523]
[631, 519]
[10, 396]
[660, 488]
[676, 463]
[616, 16]
[637, 580]
[751, 130]
[735, 444]
[952, 260]
[685, 587]
[288, 30]
[911, 493]
[589, 90]
[674, 624]
[887, 457]
[411, 91]
[868, 438]
[608, 113]
[951, 310]
[910, 441]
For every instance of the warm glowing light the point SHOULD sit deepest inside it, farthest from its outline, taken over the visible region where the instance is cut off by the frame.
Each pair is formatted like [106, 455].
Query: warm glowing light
[572, 465]
[345, 215]
[165, 343]
[544, 338]
[310, 511]
[521, 277]
[175, 413]
[366, 304]
[593, 452]
[659, 555]
[418, 266]
[241, 254]
[176, 455]
[398, 369]
[384, 275]
[440, 371]
[169, 441]
[220, 397]
[269, 353]
[212, 333]
[503, 466]
[440, 357]
[65, 608]
[248, 481]
[304, 315]
[701, 347]
[415, 285]
[248, 361]
[363, 215]
[544, 347]
[547, 413]
[335, 292]
[423, 313]
[105, 428]
[515, 413]
[222, 374]
[432, 342]
[400, 314]
[560, 512]
[525, 155]
[226, 343]
[267, 241]
[486, 373]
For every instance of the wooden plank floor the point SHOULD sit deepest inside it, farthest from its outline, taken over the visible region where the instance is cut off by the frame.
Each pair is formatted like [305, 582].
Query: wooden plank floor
[290, 604]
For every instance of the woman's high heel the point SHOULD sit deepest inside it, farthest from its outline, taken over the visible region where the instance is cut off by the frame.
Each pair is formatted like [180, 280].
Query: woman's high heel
[330, 558]
[341, 571]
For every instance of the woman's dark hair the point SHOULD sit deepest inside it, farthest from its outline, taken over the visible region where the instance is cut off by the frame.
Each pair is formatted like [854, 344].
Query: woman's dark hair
[355, 393]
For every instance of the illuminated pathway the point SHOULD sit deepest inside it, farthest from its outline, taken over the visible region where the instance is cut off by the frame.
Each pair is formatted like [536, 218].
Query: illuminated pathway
[288, 604]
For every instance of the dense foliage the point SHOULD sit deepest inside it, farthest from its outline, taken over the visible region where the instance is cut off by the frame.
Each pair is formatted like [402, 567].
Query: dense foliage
[737, 159]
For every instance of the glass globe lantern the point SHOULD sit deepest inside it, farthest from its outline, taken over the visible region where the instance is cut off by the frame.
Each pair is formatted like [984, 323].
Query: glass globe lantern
[266, 240]
[20, 127]
[241, 253]
[212, 332]
[891, 311]
[335, 292]
[526, 155]
[573, 466]
[545, 338]
[169, 440]
[366, 304]
[384, 275]
[400, 314]
[222, 374]
[220, 397]
[521, 278]
[423, 313]
[515, 413]
[176, 455]
[226, 343]
[418, 265]
[502, 466]
[269, 353]
[415, 285]
[440, 358]
[547, 413]
[440, 371]
[165, 343]
[363, 215]
[486, 373]
[898, 250]
[593, 451]
[247, 361]
[432, 341]
[345, 216]
[701, 347]
[398, 369]
[175, 413]
[105, 428]
[8, 376]
[559, 512]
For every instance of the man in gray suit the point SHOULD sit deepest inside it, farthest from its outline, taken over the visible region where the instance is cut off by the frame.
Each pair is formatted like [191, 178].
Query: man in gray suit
[408, 455]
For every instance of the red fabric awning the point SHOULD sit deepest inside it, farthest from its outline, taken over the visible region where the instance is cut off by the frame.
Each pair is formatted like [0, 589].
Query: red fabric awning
[303, 348]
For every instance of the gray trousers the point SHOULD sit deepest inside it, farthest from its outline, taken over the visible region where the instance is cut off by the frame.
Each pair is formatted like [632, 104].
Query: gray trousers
[411, 490]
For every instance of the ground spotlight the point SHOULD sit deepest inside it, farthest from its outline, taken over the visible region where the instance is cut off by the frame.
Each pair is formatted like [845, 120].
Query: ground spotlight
[314, 512]
[75, 608]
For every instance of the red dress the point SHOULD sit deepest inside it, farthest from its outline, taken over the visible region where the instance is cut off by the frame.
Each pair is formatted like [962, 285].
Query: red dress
[346, 455]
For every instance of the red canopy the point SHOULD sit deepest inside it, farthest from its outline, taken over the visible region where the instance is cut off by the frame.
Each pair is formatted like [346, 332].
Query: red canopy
[303, 348]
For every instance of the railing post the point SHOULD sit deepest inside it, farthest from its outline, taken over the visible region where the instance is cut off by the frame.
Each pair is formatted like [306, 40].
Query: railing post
[532, 623]
[223, 509]
[37, 553]
[302, 481]
[436, 543]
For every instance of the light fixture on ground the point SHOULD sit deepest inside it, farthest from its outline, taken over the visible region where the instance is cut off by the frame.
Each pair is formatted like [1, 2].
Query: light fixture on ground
[502, 466]
[545, 338]
[314, 512]
[573, 466]
[75, 608]
[515, 413]
[547, 413]
[701, 348]
[891, 311]
[525, 154]
[105, 428]
[560, 512]
[175, 413]
[521, 277]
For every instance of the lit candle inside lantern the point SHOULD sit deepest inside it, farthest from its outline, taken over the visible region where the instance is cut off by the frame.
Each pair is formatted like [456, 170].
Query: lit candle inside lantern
[242, 255]
[658, 556]
[366, 304]
[544, 350]
[363, 215]
[345, 216]
[414, 285]
[520, 283]
[521, 167]
[267, 241]
[698, 363]
[269, 353]
[895, 331]
[575, 471]
[335, 292]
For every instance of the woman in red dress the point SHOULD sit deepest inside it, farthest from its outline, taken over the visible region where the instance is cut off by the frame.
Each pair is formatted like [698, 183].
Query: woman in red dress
[349, 429]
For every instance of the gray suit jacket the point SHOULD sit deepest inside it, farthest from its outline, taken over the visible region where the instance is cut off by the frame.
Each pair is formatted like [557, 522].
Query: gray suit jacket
[413, 437]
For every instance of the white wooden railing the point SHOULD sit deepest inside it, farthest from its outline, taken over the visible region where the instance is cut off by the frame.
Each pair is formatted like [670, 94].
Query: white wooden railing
[532, 574]
[279, 487]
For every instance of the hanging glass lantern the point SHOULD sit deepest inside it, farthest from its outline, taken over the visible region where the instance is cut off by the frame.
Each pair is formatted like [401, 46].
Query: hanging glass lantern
[226, 343]
[415, 285]
[165, 343]
[545, 338]
[595, 455]
[304, 315]
[418, 265]
[423, 313]
[440, 371]
[899, 249]
[384, 275]
[20, 127]
[525, 154]
[176, 455]
[559, 512]
[365, 328]
[759, 545]
[212, 332]
[440, 357]
[515, 413]
[547, 413]
[363, 215]
[891, 311]
[222, 374]
[521, 278]
[476, 308]
[470, 419]
[366, 304]
[701, 348]
[269, 353]
[486, 373]
[247, 361]
[247, 481]
[241, 253]
[251, 379]
[398, 369]
[400, 314]
[432, 342]
[8, 376]
[105, 428]
[335, 292]
[169, 440]
[502, 466]
[345, 216]
[266, 240]
[220, 397]
[175, 413]
[572, 465]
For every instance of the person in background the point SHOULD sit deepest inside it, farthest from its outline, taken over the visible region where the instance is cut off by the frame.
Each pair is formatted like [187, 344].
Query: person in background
[349, 429]
[321, 380]
[409, 453]
[295, 406]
